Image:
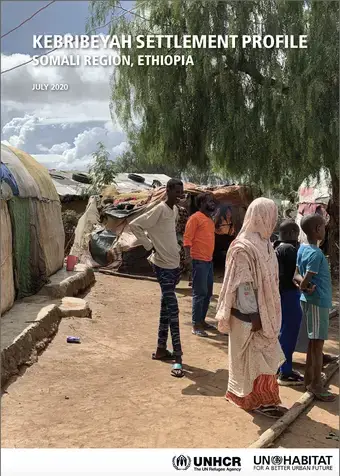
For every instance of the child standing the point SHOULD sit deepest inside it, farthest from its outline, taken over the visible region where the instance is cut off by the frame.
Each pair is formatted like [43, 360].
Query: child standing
[314, 277]
[286, 249]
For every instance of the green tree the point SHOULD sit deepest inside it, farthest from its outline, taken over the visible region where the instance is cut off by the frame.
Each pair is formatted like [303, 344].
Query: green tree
[102, 171]
[137, 160]
[269, 116]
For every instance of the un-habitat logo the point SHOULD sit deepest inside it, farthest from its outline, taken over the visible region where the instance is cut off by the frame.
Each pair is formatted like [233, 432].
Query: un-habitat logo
[181, 462]
[293, 463]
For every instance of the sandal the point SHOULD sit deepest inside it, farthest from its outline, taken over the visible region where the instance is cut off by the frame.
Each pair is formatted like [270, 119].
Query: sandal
[329, 359]
[332, 436]
[177, 371]
[167, 356]
[323, 395]
[273, 412]
[199, 333]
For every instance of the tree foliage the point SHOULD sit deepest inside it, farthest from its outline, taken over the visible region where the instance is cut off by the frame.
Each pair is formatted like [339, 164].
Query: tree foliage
[268, 115]
[136, 160]
[102, 171]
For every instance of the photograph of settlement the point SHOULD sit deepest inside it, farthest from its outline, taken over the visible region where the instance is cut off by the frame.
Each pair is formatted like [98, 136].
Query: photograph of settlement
[170, 224]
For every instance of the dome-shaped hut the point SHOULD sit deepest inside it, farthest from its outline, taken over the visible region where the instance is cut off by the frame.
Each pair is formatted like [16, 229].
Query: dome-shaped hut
[32, 233]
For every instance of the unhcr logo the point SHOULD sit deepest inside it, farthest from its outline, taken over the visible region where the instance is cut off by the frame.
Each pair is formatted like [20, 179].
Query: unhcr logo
[208, 463]
[181, 462]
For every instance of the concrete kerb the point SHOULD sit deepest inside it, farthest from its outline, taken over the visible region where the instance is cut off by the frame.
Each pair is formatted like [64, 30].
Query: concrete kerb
[25, 348]
[63, 284]
[75, 307]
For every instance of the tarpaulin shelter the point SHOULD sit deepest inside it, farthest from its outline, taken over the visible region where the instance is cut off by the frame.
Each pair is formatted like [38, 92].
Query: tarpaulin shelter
[32, 233]
[314, 196]
[103, 238]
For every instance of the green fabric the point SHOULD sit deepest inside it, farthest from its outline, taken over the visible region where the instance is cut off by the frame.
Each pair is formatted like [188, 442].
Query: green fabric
[37, 262]
[28, 263]
[20, 218]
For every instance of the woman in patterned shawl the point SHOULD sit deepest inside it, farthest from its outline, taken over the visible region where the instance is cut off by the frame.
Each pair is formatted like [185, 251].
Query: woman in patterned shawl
[249, 311]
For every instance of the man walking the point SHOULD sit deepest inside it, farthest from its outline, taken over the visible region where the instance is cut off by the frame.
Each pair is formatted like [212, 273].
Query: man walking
[160, 225]
[199, 243]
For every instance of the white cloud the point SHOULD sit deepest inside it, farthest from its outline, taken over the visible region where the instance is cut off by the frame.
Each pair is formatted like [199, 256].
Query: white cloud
[20, 127]
[119, 149]
[86, 143]
[88, 86]
[78, 156]
[59, 128]
[51, 161]
[55, 149]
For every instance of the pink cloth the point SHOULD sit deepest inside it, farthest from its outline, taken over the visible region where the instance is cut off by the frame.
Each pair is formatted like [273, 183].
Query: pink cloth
[251, 259]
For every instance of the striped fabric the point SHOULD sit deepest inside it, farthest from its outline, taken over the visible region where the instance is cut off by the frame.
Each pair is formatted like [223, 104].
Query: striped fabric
[169, 316]
[265, 392]
[317, 319]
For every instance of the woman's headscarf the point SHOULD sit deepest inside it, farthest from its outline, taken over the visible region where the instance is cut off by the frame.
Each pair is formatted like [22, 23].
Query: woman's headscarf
[261, 218]
[251, 259]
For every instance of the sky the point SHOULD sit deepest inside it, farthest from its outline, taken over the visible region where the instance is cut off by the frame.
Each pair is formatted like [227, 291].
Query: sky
[61, 129]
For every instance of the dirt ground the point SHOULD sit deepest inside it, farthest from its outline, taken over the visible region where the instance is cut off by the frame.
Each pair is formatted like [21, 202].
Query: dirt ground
[107, 392]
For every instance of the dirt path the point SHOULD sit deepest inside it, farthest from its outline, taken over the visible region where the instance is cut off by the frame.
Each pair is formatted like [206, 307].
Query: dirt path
[107, 392]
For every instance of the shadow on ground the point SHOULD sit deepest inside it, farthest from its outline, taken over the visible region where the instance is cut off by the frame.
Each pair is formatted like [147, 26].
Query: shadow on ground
[205, 382]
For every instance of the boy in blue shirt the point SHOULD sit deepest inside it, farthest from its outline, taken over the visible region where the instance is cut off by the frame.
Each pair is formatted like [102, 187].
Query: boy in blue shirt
[314, 278]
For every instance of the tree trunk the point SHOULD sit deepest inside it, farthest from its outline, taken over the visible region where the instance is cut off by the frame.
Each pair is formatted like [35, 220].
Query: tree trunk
[334, 225]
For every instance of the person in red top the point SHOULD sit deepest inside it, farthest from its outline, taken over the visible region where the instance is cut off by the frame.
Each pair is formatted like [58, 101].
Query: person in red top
[199, 244]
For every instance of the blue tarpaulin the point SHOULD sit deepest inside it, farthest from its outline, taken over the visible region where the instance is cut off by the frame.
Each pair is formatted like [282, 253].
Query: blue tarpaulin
[7, 177]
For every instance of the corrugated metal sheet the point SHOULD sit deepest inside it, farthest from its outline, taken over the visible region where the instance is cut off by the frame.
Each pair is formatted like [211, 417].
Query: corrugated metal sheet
[125, 185]
[65, 185]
